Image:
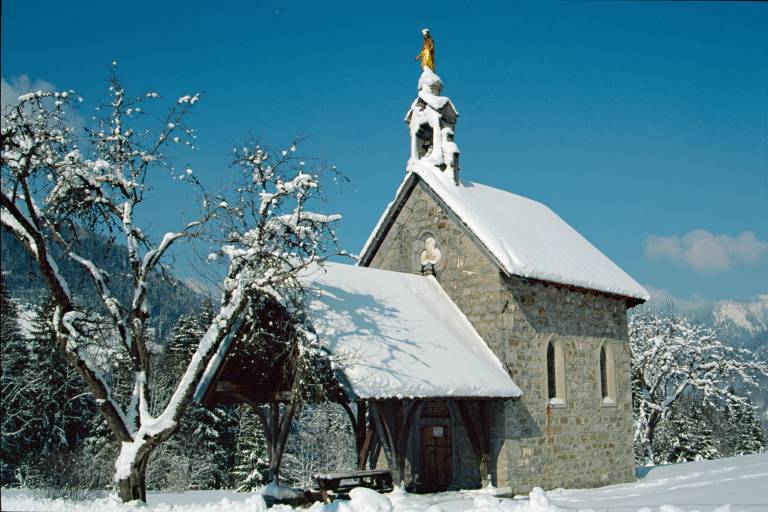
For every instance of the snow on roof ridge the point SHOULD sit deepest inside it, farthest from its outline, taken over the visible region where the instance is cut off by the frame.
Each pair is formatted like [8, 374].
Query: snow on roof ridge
[578, 262]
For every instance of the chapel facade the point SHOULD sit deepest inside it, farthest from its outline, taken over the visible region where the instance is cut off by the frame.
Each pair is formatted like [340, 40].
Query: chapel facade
[557, 321]
[480, 338]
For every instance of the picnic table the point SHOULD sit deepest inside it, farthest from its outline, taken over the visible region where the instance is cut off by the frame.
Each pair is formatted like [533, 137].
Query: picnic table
[378, 478]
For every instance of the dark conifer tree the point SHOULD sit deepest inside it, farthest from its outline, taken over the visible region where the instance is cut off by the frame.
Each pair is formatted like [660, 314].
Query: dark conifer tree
[743, 432]
[252, 464]
[13, 354]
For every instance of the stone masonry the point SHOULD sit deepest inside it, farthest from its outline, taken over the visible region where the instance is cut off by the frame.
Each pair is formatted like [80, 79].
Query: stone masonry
[580, 443]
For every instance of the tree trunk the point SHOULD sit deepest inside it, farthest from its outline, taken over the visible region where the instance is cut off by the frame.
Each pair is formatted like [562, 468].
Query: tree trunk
[650, 432]
[134, 487]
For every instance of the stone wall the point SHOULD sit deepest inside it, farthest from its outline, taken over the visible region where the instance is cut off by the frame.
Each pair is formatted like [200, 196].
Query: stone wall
[582, 443]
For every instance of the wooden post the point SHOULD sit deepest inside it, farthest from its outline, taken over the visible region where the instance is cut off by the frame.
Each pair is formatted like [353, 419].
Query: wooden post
[279, 428]
[479, 435]
[274, 434]
[393, 425]
[485, 442]
[358, 421]
[362, 426]
[285, 429]
[385, 429]
[365, 449]
[399, 444]
[383, 434]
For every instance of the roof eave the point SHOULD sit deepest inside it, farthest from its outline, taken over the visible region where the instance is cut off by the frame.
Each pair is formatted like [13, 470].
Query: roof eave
[440, 397]
[412, 178]
[385, 221]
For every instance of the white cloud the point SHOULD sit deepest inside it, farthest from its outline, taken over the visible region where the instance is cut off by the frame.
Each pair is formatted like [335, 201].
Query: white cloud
[703, 250]
[10, 91]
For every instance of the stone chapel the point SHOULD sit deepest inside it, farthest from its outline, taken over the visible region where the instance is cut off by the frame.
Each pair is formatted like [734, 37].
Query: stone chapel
[549, 305]
[484, 339]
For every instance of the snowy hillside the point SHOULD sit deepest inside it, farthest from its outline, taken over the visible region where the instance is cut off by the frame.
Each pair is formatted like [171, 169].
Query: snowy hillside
[743, 321]
[725, 485]
[740, 322]
[751, 316]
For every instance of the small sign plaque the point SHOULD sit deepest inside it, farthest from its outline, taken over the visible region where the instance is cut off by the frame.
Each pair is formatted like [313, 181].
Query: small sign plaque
[437, 431]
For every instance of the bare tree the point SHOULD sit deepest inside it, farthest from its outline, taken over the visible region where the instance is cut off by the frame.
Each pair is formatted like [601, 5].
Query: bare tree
[672, 357]
[262, 237]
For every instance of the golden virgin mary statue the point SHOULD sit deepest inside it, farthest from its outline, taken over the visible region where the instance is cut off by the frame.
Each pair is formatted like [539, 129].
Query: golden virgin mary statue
[427, 54]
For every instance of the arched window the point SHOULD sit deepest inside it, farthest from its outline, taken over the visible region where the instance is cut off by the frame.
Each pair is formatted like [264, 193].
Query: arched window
[551, 375]
[603, 375]
[424, 140]
[607, 375]
[555, 373]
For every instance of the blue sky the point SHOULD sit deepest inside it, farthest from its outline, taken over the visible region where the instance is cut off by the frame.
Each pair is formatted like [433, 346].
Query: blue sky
[644, 125]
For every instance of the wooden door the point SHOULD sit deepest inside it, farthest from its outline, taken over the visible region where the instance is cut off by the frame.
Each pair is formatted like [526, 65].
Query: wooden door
[437, 466]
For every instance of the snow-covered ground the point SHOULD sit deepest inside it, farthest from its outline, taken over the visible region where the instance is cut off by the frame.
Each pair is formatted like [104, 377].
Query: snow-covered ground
[726, 485]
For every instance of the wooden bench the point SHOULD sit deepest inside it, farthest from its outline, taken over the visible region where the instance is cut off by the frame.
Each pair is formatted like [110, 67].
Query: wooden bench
[377, 478]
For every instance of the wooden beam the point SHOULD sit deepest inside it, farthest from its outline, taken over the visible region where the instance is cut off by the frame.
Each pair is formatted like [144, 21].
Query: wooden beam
[223, 386]
[285, 428]
[485, 442]
[274, 435]
[279, 427]
[412, 412]
[375, 450]
[259, 411]
[362, 454]
[387, 442]
[394, 421]
[469, 425]
[479, 435]
[362, 424]
[411, 415]
[399, 438]
[283, 396]
[247, 395]
[353, 420]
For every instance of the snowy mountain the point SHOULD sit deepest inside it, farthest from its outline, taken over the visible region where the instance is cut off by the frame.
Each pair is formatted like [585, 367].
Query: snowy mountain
[741, 323]
[745, 324]
[171, 297]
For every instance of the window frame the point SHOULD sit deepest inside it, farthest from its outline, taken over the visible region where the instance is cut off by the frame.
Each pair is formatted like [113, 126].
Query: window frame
[555, 372]
[608, 395]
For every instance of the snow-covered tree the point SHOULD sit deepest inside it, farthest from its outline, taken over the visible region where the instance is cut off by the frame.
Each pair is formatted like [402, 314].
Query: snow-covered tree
[322, 441]
[252, 465]
[14, 357]
[743, 433]
[54, 188]
[201, 455]
[673, 357]
[46, 410]
[186, 333]
[686, 434]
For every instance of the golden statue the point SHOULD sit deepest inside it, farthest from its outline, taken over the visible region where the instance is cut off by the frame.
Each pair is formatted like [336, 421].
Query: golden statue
[427, 53]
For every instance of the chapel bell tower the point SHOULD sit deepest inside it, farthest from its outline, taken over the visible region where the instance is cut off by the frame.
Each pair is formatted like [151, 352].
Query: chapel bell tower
[432, 119]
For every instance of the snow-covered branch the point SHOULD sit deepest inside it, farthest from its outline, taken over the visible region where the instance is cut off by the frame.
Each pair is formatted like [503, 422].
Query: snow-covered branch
[673, 357]
[55, 193]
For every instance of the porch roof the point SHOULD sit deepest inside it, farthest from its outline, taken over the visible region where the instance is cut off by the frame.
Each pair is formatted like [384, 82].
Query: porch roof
[399, 335]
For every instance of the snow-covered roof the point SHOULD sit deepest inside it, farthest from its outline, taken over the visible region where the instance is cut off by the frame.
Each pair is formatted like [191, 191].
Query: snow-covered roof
[525, 237]
[399, 335]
